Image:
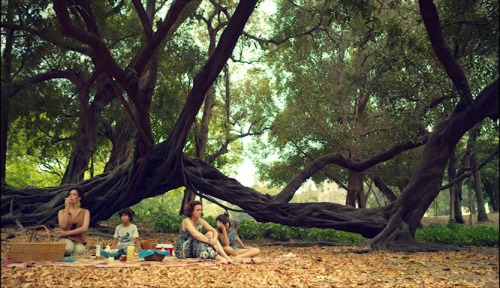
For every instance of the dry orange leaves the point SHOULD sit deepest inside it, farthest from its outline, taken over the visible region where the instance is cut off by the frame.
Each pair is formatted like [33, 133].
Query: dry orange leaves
[312, 267]
[304, 267]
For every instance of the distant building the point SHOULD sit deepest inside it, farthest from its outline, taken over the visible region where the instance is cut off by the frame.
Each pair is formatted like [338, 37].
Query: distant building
[330, 192]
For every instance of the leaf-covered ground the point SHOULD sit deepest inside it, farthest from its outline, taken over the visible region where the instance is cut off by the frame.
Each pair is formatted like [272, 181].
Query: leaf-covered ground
[327, 266]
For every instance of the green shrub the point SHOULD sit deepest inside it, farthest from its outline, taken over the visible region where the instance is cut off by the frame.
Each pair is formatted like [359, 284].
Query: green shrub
[168, 223]
[331, 235]
[458, 234]
[277, 232]
[249, 229]
[252, 230]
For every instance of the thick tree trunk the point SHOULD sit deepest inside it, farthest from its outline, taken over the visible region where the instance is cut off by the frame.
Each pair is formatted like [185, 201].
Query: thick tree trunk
[494, 196]
[355, 190]
[122, 140]
[4, 128]
[424, 185]
[189, 195]
[388, 193]
[7, 86]
[481, 211]
[456, 189]
[84, 147]
[87, 127]
[459, 218]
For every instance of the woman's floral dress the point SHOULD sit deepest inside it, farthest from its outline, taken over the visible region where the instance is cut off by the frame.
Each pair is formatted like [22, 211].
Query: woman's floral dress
[188, 247]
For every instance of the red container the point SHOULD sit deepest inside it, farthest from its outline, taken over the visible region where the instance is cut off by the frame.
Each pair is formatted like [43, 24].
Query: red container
[165, 247]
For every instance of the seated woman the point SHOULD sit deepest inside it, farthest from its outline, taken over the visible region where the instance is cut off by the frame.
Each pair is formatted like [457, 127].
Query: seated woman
[73, 223]
[228, 236]
[192, 243]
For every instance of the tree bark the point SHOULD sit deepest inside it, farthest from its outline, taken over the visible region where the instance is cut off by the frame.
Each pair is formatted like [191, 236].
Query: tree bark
[389, 194]
[482, 216]
[122, 139]
[425, 182]
[355, 191]
[459, 218]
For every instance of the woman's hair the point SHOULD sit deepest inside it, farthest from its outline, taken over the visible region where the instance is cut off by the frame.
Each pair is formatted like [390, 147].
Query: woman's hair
[127, 211]
[81, 194]
[223, 219]
[188, 210]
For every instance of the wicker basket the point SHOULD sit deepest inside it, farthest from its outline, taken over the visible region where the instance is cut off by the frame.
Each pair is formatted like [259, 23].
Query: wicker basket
[50, 251]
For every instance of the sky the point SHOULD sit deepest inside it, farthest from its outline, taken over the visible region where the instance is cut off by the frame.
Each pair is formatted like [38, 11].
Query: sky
[246, 173]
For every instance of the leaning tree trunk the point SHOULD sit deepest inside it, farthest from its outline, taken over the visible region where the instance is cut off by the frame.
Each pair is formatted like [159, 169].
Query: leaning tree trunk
[424, 185]
[386, 190]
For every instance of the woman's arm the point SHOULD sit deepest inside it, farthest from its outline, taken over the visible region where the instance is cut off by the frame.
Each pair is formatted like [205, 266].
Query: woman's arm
[63, 215]
[62, 218]
[237, 238]
[209, 228]
[186, 223]
[223, 234]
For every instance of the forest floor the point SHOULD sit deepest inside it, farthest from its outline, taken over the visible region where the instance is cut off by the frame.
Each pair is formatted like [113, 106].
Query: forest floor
[277, 266]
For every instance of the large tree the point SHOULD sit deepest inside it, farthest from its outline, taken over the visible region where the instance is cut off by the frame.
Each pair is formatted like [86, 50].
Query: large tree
[159, 167]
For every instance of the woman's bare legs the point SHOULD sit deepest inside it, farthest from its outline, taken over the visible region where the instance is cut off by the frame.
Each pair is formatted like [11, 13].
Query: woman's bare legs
[243, 252]
[218, 248]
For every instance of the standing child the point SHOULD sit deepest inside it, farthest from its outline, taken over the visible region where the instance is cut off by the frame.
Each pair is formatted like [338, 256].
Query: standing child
[126, 233]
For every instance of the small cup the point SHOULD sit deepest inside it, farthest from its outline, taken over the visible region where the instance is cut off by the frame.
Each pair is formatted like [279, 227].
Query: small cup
[146, 244]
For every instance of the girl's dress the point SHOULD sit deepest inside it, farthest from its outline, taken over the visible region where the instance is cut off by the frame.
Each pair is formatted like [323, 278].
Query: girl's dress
[188, 247]
[232, 239]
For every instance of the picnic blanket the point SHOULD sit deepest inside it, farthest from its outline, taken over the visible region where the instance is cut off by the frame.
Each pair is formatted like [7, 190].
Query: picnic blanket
[169, 261]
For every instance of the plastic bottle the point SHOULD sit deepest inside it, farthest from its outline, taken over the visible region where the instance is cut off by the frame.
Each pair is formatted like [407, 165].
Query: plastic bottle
[130, 252]
[111, 258]
[98, 247]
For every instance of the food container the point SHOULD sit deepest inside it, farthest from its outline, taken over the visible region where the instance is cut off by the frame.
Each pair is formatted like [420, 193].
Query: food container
[153, 255]
[165, 247]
